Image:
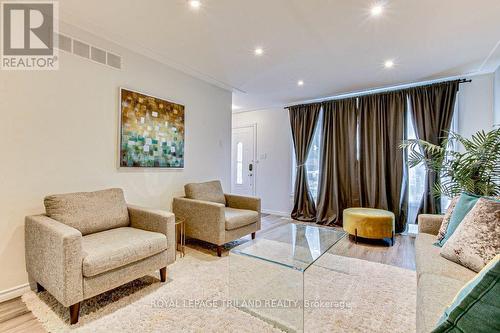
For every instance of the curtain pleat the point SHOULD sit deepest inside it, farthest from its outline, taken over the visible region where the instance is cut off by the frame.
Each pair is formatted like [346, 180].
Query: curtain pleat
[432, 110]
[338, 178]
[382, 180]
[303, 120]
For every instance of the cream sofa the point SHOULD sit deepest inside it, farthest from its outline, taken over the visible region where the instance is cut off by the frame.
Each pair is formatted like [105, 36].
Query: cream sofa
[215, 217]
[90, 242]
[438, 279]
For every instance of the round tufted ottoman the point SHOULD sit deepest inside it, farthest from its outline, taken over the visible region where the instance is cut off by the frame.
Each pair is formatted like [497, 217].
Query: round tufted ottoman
[369, 223]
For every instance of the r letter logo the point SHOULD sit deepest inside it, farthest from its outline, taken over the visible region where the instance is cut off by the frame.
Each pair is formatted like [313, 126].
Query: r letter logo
[28, 36]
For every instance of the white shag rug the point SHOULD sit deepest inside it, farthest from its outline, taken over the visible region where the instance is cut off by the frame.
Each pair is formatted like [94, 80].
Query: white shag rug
[374, 297]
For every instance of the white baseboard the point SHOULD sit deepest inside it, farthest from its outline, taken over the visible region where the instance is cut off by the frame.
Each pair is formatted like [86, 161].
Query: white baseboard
[11, 293]
[275, 212]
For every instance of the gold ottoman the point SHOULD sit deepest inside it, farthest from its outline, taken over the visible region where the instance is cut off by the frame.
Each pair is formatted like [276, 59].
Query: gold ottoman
[369, 223]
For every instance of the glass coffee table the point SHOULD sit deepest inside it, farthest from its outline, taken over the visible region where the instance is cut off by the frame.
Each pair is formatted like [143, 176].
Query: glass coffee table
[267, 274]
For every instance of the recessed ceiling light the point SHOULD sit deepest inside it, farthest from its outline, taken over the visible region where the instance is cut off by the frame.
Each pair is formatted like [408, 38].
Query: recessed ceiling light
[235, 107]
[300, 83]
[195, 4]
[377, 9]
[389, 64]
[259, 51]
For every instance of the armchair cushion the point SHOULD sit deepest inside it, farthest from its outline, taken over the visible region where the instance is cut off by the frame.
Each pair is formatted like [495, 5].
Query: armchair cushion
[115, 248]
[237, 218]
[155, 220]
[89, 212]
[209, 191]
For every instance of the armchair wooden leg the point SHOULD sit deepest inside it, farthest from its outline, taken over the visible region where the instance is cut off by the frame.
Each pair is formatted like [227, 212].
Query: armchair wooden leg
[219, 251]
[39, 287]
[74, 313]
[163, 274]
[253, 235]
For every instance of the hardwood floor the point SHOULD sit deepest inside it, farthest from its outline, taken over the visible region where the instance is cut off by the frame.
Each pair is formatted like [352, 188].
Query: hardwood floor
[401, 254]
[16, 318]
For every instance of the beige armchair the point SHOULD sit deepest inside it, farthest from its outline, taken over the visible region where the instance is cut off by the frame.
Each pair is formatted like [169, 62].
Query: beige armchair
[88, 243]
[215, 217]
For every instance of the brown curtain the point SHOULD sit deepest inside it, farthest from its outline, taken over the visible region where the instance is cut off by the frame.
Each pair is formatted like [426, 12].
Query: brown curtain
[432, 111]
[338, 180]
[303, 120]
[381, 162]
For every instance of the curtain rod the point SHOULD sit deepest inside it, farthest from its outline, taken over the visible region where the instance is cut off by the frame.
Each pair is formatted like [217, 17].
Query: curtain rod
[378, 90]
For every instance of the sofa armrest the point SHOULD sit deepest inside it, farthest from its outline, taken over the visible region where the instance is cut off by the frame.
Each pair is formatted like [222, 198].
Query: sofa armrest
[54, 258]
[155, 220]
[204, 220]
[429, 223]
[243, 202]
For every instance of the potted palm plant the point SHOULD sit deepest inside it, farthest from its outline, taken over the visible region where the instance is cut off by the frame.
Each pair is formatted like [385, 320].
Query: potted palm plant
[475, 169]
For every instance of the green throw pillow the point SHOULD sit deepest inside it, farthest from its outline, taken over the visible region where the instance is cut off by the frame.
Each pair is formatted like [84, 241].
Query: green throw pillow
[464, 204]
[476, 308]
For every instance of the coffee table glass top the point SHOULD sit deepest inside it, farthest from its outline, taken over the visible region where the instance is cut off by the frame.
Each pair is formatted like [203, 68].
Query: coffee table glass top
[296, 246]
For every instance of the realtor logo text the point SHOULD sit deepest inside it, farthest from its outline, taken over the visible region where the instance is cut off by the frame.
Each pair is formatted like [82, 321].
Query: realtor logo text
[28, 36]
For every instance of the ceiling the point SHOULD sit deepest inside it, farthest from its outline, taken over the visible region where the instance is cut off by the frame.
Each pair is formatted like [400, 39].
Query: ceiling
[334, 46]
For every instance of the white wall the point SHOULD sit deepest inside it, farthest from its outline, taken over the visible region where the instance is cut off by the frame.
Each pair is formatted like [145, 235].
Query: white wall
[60, 129]
[496, 87]
[273, 173]
[475, 105]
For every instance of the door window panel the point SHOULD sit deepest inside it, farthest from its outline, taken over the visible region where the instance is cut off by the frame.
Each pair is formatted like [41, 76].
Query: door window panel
[239, 163]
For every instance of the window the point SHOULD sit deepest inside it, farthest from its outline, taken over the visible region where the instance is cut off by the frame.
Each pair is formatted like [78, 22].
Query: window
[445, 201]
[416, 175]
[416, 178]
[312, 162]
[239, 163]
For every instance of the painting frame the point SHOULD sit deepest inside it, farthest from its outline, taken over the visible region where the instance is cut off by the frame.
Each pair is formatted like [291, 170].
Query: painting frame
[121, 125]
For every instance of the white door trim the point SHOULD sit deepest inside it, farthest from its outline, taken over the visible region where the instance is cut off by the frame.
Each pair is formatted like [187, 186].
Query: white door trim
[255, 162]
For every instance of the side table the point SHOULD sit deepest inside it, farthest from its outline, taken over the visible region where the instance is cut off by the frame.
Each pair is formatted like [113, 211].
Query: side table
[180, 236]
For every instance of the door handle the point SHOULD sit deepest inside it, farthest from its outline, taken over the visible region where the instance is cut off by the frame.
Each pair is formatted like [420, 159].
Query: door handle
[250, 167]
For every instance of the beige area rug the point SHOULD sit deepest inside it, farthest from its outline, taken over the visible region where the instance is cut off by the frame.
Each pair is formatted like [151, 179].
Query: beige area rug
[370, 297]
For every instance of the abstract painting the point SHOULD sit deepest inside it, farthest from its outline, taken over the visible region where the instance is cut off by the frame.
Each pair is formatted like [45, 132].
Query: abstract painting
[152, 131]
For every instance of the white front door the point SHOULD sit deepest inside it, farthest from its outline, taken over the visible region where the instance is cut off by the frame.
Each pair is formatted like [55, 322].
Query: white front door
[243, 161]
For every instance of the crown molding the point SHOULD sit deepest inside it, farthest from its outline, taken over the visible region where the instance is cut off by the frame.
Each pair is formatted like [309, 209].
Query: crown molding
[136, 47]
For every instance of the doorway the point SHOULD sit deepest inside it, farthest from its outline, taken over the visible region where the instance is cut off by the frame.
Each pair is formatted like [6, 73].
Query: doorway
[243, 156]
